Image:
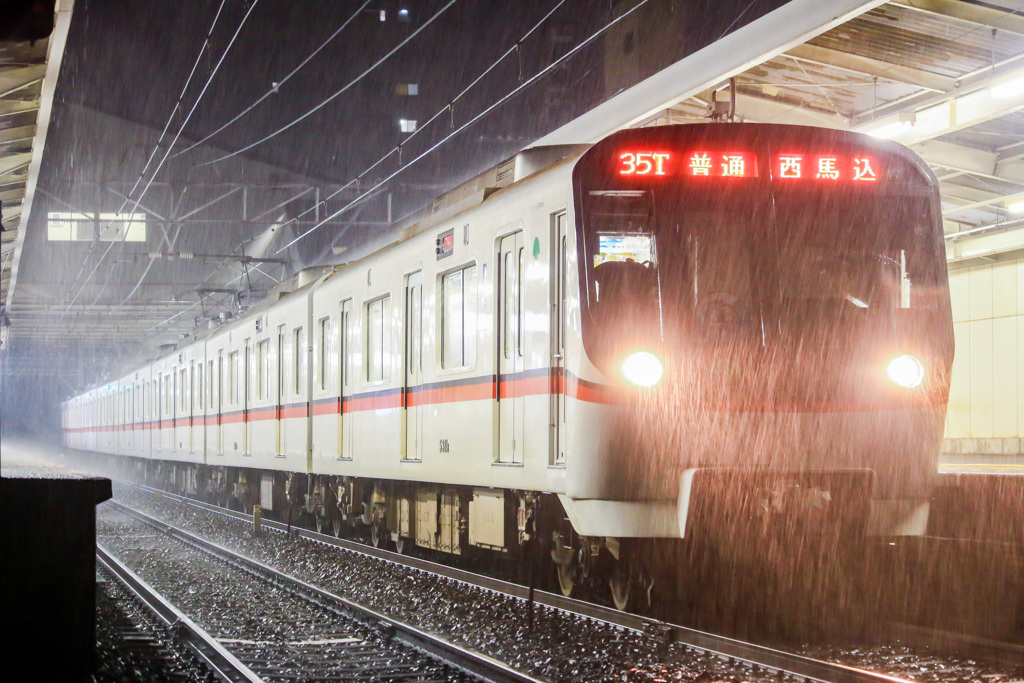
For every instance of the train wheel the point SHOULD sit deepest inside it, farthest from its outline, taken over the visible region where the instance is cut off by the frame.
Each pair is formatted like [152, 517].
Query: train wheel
[337, 523]
[566, 578]
[378, 528]
[400, 544]
[321, 522]
[564, 556]
[620, 585]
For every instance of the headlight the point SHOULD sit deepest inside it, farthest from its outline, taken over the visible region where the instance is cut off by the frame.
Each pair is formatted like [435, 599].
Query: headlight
[642, 368]
[906, 371]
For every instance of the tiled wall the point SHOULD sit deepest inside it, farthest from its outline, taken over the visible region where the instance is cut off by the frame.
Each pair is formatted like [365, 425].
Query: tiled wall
[986, 402]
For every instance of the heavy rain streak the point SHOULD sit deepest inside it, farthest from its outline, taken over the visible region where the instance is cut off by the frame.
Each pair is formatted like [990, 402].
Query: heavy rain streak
[562, 293]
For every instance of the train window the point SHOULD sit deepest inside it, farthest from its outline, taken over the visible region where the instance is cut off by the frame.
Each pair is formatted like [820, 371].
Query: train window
[198, 384]
[299, 371]
[512, 271]
[458, 318]
[263, 370]
[343, 344]
[323, 356]
[377, 312]
[209, 385]
[232, 378]
[183, 390]
[520, 313]
[168, 395]
[510, 309]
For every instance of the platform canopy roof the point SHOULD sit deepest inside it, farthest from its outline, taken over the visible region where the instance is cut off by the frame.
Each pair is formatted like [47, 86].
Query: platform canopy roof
[104, 258]
[944, 77]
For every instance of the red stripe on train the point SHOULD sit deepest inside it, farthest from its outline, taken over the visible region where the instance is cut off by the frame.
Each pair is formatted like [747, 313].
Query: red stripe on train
[482, 391]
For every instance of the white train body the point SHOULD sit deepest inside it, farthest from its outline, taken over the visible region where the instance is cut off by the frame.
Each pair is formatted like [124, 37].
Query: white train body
[454, 363]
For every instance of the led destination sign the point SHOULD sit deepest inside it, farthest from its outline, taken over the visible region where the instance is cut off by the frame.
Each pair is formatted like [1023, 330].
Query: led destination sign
[711, 164]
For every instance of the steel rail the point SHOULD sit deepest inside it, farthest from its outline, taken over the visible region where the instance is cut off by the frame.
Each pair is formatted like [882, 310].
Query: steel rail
[770, 659]
[447, 653]
[224, 664]
[971, 646]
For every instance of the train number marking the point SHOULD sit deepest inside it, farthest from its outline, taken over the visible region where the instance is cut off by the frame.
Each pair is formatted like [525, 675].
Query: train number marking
[444, 447]
[643, 163]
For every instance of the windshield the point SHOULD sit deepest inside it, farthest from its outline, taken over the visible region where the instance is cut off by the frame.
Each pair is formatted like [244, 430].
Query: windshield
[758, 266]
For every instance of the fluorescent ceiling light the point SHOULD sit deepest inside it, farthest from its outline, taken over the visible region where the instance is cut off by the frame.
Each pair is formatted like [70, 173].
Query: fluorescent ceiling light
[890, 130]
[1005, 88]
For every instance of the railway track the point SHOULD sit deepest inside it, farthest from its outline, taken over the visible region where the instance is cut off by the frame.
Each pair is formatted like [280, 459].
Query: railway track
[747, 657]
[133, 643]
[325, 637]
[225, 665]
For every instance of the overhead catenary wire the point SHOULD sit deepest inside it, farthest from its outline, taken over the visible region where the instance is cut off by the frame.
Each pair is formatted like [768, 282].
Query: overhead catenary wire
[331, 98]
[515, 91]
[166, 154]
[515, 47]
[278, 84]
[156, 147]
[376, 188]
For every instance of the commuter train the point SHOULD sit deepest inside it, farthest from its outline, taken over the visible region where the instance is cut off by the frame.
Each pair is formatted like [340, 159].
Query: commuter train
[582, 351]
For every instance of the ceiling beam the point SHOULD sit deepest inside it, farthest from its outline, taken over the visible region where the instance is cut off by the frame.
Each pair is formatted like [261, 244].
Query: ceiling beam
[17, 133]
[13, 80]
[977, 162]
[767, 110]
[968, 199]
[987, 245]
[914, 124]
[11, 107]
[9, 163]
[51, 71]
[969, 12]
[872, 67]
[790, 25]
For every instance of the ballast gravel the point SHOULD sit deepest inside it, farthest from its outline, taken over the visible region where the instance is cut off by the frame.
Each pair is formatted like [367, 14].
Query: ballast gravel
[558, 646]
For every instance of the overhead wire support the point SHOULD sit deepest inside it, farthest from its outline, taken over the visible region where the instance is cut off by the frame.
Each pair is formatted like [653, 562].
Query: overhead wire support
[515, 91]
[450, 107]
[156, 147]
[165, 156]
[331, 98]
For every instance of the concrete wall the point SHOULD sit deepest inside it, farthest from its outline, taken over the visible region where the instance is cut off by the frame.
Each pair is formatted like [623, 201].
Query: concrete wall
[986, 402]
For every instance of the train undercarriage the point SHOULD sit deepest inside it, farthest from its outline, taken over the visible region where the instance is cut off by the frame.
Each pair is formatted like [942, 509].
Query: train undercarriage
[526, 537]
[522, 536]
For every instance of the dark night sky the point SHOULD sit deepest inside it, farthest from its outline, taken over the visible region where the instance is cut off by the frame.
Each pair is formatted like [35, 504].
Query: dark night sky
[131, 58]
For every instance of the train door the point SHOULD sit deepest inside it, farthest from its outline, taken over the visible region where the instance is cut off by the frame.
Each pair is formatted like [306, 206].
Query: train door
[137, 403]
[279, 392]
[147, 413]
[510, 349]
[220, 402]
[559, 270]
[173, 401]
[130, 426]
[412, 415]
[184, 408]
[192, 406]
[158, 411]
[344, 417]
[246, 425]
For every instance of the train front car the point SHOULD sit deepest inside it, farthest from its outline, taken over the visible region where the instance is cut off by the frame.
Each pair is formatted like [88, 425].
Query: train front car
[766, 311]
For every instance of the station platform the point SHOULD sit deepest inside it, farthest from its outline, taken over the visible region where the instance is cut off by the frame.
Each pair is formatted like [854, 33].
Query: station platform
[48, 577]
[981, 500]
